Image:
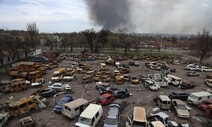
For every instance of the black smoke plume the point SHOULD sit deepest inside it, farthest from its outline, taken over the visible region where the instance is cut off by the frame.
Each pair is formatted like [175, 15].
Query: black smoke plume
[110, 14]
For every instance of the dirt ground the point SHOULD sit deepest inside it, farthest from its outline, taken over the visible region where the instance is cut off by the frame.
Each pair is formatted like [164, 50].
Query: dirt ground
[141, 96]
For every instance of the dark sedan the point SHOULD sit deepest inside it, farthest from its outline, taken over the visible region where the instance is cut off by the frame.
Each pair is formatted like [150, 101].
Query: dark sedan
[192, 73]
[44, 92]
[121, 93]
[186, 85]
[105, 89]
[164, 67]
[178, 95]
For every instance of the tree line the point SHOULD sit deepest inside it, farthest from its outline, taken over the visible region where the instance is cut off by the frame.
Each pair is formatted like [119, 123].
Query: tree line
[94, 41]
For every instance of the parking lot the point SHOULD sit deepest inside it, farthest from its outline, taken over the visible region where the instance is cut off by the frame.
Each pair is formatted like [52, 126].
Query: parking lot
[141, 96]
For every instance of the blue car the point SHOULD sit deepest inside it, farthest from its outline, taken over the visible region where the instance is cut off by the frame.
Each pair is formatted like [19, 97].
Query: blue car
[59, 105]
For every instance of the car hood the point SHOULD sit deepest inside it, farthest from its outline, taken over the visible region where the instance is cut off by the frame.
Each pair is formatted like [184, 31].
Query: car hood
[81, 125]
[183, 112]
[58, 107]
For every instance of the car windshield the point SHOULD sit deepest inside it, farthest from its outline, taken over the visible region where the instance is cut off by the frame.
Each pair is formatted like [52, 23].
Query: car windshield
[62, 101]
[138, 124]
[111, 121]
[182, 107]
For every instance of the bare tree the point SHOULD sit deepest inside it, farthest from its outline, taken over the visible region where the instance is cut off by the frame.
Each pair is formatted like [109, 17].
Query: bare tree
[12, 45]
[26, 46]
[203, 44]
[90, 36]
[125, 40]
[113, 41]
[33, 32]
[102, 39]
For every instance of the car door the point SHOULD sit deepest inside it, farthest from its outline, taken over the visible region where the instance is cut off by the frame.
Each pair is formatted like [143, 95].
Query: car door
[174, 103]
[183, 96]
[57, 87]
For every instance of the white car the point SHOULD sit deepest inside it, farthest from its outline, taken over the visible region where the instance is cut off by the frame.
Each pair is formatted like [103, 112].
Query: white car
[205, 69]
[136, 63]
[67, 87]
[152, 85]
[38, 82]
[68, 78]
[59, 87]
[181, 108]
[192, 67]
[164, 118]
[56, 78]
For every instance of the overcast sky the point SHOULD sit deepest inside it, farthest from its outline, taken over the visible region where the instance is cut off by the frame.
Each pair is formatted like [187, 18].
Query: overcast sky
[146, 16]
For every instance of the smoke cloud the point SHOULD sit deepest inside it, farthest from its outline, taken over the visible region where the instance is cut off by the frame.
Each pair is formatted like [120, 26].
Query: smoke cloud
[168, 16]
[152, 16]
[110, 14]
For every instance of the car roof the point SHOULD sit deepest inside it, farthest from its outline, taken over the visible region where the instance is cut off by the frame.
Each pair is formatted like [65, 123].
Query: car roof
[76, 103]
[57, 83]
[113, 112]
[90, 111]
[26, 119]
[164, 97]
[161, 114]
[202, 93]
[157, 124]
[173, 76]
[107, 95]
[139, 114]
[66, 98]
[178, 93]
[178, 101]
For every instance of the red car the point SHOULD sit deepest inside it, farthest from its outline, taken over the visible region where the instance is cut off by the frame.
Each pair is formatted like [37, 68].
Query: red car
[105, 99]
[206, 106]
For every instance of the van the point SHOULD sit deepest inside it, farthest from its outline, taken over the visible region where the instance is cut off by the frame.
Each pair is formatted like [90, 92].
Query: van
[156, 124]
[173, 80]
[34, 74]
[5, 86]
[198, 97]
[74, 108]
[18, 86]
[22, 106]
[138, 118]
[90, 116]
[163, 101]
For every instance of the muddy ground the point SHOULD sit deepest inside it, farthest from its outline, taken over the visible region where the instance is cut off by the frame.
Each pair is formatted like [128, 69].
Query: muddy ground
[141, 96]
